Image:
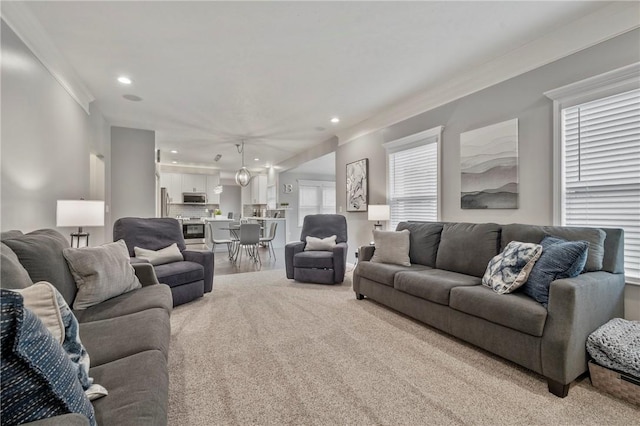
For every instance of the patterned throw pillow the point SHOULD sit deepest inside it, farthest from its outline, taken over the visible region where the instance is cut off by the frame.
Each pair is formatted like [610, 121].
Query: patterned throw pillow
[510, 269]
[38, 379]
[559, 259]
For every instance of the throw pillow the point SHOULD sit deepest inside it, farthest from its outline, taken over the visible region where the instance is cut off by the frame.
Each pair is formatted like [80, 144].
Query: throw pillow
[12, 273]
[38, 379]
[392, 247]
[48, 304]
[160, 257]
[510, 269]
[320, 244]
[101, 273]
[559, 259]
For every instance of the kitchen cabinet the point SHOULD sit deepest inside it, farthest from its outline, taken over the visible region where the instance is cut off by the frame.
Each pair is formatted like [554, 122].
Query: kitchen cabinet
[211, 182]
[173, 183]
[259, 189]
[194, 183]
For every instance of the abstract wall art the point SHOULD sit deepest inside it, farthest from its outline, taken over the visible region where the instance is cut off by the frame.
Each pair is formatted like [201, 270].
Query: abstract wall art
[489, 167]
[357, 186]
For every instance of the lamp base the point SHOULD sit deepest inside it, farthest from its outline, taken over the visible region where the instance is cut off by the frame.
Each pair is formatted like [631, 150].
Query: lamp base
[377, 226]
[79, 239]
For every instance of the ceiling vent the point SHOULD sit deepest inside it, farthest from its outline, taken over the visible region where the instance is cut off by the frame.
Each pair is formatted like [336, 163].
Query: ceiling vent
[218, 157]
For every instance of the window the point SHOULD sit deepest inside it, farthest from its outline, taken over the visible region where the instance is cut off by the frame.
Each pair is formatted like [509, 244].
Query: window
[599, 159]
[413, 165]
[315, 197]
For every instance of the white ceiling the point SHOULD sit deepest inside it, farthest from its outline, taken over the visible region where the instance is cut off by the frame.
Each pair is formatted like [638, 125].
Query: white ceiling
[325, 165]
[273, 73]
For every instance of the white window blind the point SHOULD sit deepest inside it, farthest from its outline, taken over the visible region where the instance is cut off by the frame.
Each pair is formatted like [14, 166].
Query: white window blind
[601, 169]
[413, 184]
[315, 197]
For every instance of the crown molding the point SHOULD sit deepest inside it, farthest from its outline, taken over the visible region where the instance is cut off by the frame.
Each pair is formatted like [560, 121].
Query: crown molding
[33, 35]
[603, 24]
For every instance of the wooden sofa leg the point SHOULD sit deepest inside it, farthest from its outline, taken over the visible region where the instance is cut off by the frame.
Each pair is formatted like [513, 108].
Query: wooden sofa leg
[557, 388]
[359, 296]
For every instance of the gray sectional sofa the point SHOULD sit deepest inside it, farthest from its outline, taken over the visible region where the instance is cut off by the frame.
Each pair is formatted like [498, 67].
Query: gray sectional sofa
[127, 337]
[443, 289]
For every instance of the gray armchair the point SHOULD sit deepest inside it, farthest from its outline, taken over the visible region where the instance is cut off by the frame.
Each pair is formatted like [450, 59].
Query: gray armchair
[188, 279]
[323, 267]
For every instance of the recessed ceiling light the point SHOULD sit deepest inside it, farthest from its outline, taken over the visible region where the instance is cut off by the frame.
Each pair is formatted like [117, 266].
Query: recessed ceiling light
[256, 159]
[335, 120]
[124, 80]
[174, 162]
[173, 151]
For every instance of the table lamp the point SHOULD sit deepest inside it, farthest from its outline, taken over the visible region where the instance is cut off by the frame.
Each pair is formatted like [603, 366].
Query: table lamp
[79, 213]
[379, 212]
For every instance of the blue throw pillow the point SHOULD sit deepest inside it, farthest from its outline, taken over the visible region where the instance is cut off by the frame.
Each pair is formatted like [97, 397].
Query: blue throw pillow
[559, 259]
[38, 378]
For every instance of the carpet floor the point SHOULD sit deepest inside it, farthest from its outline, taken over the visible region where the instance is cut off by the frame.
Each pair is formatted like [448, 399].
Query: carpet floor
[261, 349]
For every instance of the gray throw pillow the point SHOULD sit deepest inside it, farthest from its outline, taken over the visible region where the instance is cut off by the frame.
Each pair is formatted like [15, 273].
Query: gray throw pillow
[101, 273]
[320, 244]
[168, 254]
[12, 273]
[392, 247]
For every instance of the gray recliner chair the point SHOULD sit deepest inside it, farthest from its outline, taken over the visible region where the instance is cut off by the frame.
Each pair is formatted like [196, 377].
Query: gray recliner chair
[323, 267]
[188, 279]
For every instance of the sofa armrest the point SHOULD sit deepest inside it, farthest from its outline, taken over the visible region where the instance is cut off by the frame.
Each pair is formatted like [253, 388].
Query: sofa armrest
[339, 261]
[206, 259]
[145, 273]
[72, 419]
[577, 307]
[365, 253]
[290, 250]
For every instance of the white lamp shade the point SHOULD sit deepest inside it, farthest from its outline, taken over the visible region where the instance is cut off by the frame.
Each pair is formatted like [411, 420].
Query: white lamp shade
[80, 213]
[379, 212]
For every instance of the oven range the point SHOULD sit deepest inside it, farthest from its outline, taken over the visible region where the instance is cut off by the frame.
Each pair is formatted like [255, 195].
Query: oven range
[193, 230]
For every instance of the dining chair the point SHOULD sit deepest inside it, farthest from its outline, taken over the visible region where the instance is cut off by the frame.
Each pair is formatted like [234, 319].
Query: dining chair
[249, 239]
[268, 240]
[214, 239]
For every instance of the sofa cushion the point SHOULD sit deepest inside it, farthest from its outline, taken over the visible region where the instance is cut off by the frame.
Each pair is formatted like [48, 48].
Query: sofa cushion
[12, 273]
[40, 252]
[424, 240]
[178, 273]
[384, 273]
[433, 285]
[516, 310]
[535, 234]
[148, 297]
[510, 269]
[560, 259]
[38, 378]
[100, 273]
[138, 390]
[111, 339]
[313, 259]
[467, 248]
[391, 247]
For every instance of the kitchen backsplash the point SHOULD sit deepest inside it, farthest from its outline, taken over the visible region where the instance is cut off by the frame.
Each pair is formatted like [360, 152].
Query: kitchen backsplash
[187, 210]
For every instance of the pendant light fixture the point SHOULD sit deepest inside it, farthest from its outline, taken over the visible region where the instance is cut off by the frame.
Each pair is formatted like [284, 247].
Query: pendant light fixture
[243, 176]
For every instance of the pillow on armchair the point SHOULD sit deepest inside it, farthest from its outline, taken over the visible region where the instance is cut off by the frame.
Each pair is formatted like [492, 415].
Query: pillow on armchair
[160, 257]
[320, 244]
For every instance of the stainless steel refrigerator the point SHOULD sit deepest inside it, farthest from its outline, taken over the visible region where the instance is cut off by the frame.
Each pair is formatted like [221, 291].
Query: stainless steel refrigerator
[164, 202]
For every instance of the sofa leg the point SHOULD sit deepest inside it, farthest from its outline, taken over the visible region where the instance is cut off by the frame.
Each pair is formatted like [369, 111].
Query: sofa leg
[359, 296]
[557, 388]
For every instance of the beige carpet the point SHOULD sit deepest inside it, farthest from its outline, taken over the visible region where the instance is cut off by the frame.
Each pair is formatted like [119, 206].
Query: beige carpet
[262, 349]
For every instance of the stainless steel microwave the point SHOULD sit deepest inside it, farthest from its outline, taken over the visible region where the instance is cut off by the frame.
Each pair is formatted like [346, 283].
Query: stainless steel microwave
[194, 198]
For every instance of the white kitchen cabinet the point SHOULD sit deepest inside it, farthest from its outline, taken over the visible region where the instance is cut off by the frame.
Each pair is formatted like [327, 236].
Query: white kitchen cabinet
[259, 189]
[211, 182]
[173, 183]
[194, 183]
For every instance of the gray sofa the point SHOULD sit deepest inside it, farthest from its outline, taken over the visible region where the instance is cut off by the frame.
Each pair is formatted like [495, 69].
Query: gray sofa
[443, 289]
[127, 337]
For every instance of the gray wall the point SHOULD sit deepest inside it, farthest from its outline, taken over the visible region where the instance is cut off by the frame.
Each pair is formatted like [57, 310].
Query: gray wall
[293, 230]
[231, 200]
[46, 141]
[133, 173]
[520, 97]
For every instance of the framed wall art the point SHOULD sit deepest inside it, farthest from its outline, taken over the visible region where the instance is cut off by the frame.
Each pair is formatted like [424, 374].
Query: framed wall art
[357, 186]
[489, 167]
